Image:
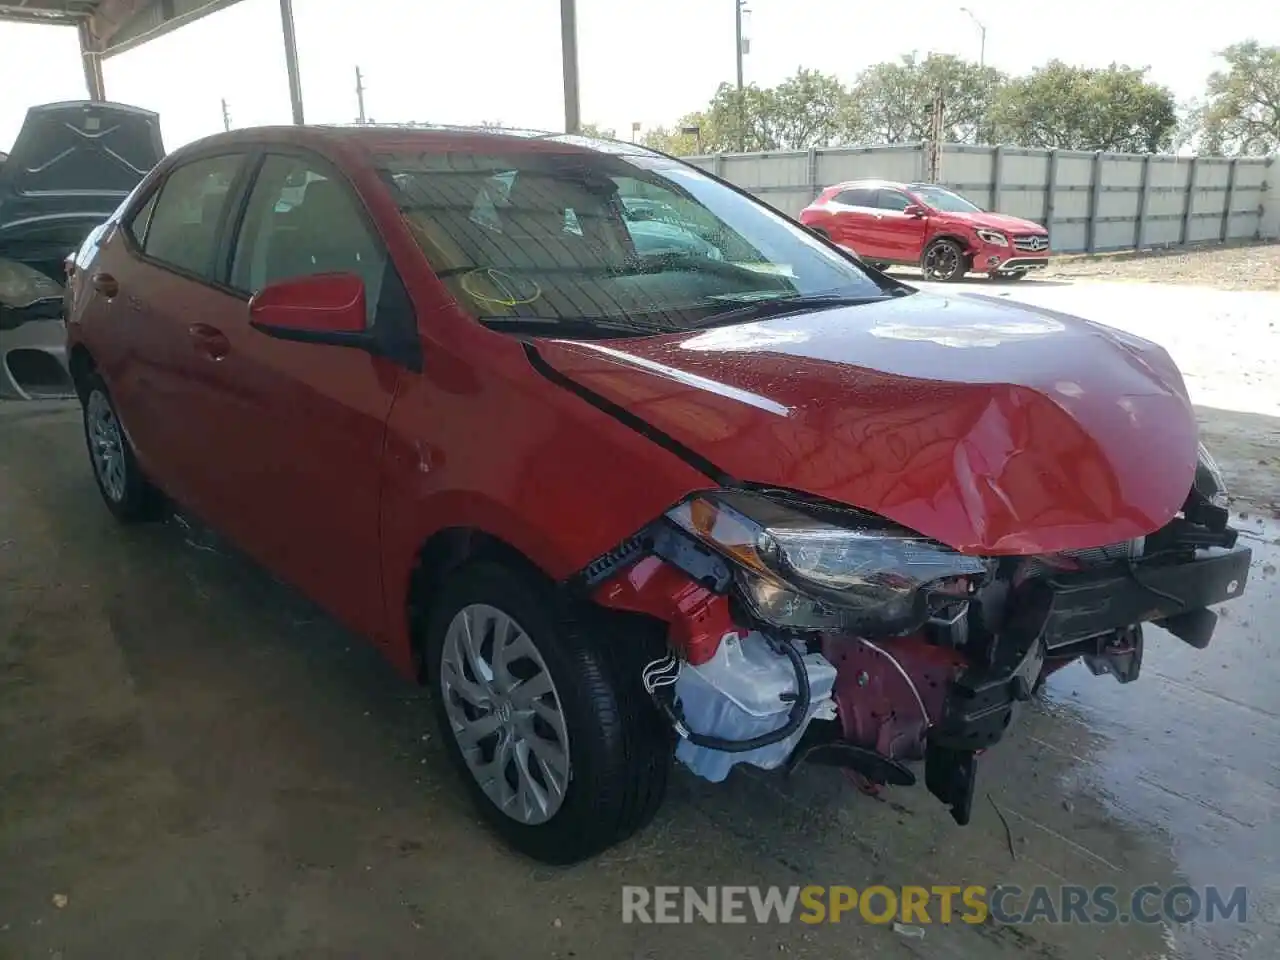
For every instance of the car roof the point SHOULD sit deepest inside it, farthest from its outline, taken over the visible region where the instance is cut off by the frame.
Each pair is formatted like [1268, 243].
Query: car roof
[381, 138]
[872, 184]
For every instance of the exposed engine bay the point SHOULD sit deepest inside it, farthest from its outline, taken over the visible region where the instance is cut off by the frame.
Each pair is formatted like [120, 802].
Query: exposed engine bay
[802, 630]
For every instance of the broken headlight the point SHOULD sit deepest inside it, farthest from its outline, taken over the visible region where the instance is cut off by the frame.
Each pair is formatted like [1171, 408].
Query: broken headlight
[1209, 482]
[21, 285]
[848, 572]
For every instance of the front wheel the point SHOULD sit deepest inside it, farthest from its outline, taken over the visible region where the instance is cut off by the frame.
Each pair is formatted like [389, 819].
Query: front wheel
[553, 733]
[944, 261]
[127, 493]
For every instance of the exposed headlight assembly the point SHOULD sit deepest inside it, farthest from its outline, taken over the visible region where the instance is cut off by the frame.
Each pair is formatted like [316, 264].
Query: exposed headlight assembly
[1209, 482]
[21, 285]
[993, 237]
[796, 571]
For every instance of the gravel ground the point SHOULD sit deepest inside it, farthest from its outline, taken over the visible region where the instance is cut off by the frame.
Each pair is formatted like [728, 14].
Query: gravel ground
[1243, 267]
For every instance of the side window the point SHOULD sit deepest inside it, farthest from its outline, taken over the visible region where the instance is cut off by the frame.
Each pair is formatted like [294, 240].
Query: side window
[183, 226]
[303, 220]
[856, 198]
[137, 228]
[892, 200]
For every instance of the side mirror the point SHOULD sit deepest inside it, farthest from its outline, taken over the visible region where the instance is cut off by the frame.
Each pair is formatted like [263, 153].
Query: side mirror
[913, 210]
[327, 308]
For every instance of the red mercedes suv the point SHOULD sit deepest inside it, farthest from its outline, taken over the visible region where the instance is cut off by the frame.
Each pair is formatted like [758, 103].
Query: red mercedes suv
[925, 225]
[629, 467]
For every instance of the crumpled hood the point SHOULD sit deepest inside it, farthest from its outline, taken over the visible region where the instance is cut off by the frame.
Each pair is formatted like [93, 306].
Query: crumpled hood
[992, 427]
[999, 221]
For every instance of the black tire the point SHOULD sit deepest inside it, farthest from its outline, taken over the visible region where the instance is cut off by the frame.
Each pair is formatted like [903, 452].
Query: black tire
[882, 267]
[1012, 276]
[944, 261]
[619, 749]
[136, 500]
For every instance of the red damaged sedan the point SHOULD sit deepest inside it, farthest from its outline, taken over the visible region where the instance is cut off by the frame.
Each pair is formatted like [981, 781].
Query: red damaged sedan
[927, 226]
[727, 499]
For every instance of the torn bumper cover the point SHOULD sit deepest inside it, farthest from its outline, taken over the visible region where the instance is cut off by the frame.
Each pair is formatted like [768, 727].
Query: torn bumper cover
[927, 671]
[1064, 616]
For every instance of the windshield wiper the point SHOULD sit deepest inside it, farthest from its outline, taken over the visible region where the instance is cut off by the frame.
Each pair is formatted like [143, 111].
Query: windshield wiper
[575, 327]
[794, 303]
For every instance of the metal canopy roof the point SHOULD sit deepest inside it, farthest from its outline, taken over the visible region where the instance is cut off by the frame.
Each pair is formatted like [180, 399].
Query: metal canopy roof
[108, 27]
[112, 26]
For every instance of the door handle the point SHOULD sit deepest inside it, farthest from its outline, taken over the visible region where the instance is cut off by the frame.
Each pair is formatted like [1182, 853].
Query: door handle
[105, 284]
[210, 341]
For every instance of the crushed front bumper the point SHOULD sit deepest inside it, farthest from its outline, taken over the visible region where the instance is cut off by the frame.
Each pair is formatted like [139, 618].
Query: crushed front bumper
[1065, 616]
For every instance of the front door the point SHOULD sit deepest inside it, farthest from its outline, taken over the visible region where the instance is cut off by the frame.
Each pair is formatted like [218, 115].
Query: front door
[899, 235]
[310, 419]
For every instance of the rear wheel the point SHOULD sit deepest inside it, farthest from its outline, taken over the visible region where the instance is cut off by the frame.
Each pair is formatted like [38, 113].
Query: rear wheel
[944, 261]
[127, 493]
[544, 714]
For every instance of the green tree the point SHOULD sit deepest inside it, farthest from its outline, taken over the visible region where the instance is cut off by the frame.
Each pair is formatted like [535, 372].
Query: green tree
[596, 130]
[893, 102]
[810, 110]
[675, 141]
[1240, 114]
[1078, 108]
[743, 121]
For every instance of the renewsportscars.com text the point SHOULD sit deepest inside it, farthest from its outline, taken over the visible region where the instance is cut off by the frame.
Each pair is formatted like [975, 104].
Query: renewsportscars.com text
[918, 905]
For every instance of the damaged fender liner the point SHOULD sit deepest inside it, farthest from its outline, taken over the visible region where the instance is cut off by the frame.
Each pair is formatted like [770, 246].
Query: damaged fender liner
[1056, 613]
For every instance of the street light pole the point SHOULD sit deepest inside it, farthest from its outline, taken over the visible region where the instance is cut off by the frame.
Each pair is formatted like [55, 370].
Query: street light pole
[982, 32]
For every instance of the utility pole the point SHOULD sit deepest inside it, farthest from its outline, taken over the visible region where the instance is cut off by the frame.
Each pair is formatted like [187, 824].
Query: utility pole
[738, 6]
[360, 96]
[935, 138]
[226, 116]
[569, 58]
[982, 33]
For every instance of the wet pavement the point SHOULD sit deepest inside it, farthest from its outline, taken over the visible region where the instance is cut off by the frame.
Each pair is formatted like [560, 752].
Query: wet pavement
[202, 765]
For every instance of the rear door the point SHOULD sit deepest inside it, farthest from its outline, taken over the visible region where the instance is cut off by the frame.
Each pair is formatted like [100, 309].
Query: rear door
[901, 237]
[307, 421]
[154, 291]
[854, 221]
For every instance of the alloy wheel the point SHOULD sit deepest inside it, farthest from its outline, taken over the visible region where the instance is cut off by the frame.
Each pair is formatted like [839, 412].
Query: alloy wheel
[505, 713]
[106, 446]
[942, 262]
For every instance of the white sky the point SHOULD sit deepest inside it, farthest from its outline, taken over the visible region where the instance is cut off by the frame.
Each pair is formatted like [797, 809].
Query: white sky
[640, 60]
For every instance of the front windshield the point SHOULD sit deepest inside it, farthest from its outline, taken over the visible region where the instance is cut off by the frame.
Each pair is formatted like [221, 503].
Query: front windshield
[944, 200]
[610, 239]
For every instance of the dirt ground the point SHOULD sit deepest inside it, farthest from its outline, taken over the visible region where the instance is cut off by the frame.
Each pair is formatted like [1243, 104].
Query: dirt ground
[196, 763]
[1242, 267]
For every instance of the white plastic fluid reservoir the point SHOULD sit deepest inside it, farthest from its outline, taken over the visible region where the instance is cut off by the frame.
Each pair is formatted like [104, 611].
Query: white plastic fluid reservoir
[738, 694]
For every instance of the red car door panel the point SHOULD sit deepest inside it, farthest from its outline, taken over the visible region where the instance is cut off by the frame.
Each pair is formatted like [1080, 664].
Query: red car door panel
[900, 236]
[306, 422]
[161, 271]
[854, 221]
